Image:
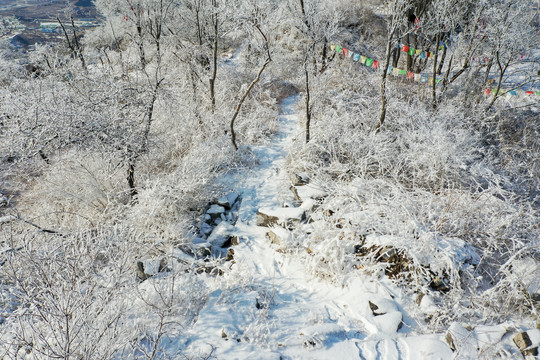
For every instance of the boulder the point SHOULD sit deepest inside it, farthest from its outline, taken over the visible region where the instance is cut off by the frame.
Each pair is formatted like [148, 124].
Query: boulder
[287, 217]
[310, 191]
[202, 251]
[148, 268]
[206, 229]
[461, 340]
[526, 345]
[221, 234]
[228, 201]
[382, 306]
[389, 323]
[278, 236]
[231, 241]
[215, 212]
[230, 255]
[266, 220]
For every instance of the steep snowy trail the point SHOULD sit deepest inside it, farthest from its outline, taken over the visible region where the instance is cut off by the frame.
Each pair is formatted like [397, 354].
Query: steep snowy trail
[267, 306]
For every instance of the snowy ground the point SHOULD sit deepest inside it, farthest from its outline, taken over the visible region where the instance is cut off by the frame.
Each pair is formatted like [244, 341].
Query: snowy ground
[267, 306]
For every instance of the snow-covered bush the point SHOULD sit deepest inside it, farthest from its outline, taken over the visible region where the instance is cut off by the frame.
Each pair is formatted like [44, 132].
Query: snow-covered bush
[430, 198]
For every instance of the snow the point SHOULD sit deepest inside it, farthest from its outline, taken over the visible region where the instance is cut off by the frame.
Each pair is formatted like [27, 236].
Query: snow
[267, 305]
[310, 191]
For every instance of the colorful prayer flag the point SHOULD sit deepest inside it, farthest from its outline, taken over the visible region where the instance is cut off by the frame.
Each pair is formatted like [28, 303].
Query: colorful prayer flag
[376, 64]
[356, 57]
[417, 52]
[396, 71]
[363, 59]
[369, 62]
[350, 54]
[487, 92]
[405, 48]
[428, 54]
[411, 51]
[430, 80]
[513, 92]
[417, 77]
[345, 51]
[410, 75]
[402, 72]
[338, 49]
[537, 93]
[529, 93]
[424, 78]
[333, 47]
[390, 68]
[422, 55]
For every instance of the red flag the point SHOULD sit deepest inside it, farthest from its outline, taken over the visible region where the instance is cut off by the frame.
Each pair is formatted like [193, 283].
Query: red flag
[376, 64]
[405, 48]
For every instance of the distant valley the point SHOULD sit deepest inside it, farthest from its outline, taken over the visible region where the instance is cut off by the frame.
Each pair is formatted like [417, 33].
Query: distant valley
[38, 19]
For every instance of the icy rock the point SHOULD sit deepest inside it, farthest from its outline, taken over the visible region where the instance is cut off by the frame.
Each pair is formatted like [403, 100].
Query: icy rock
[440, 283]
[215, 211]
[198, 240]
[221, 234]
[183, 253]
[206, 229]
[266, 220]
[428, 305]
[389, 323]
[148, 268]
[310, 191]
[228, 200]
[230, 255]
[461, 340]
[488, 336]
[382, 306]
[231, 241]
[207, 218]
[203, 250]
[295, 193]
[278, 236]
[300, 179]
[140, 271]
[288, 217]
[526, 345]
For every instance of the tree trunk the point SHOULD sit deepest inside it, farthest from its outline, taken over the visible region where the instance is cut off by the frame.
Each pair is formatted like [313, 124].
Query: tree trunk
[441, 63]
[384, 100]
[434, 85]
[396, 53]
[308, 108]
[131, 179]
[409, 57]
[214, 55]
[502, 70]
[255, 81]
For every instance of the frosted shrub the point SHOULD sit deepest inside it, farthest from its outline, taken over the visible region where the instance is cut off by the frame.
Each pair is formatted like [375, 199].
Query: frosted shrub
[429, 185]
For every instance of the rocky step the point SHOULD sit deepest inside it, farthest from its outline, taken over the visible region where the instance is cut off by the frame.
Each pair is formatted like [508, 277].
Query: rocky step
[286, 217]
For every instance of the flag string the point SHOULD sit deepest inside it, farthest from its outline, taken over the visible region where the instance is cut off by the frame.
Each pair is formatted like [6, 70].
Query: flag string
[417, 77]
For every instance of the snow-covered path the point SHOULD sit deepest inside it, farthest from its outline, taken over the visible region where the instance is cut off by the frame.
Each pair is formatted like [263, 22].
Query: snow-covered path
[267, 306]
